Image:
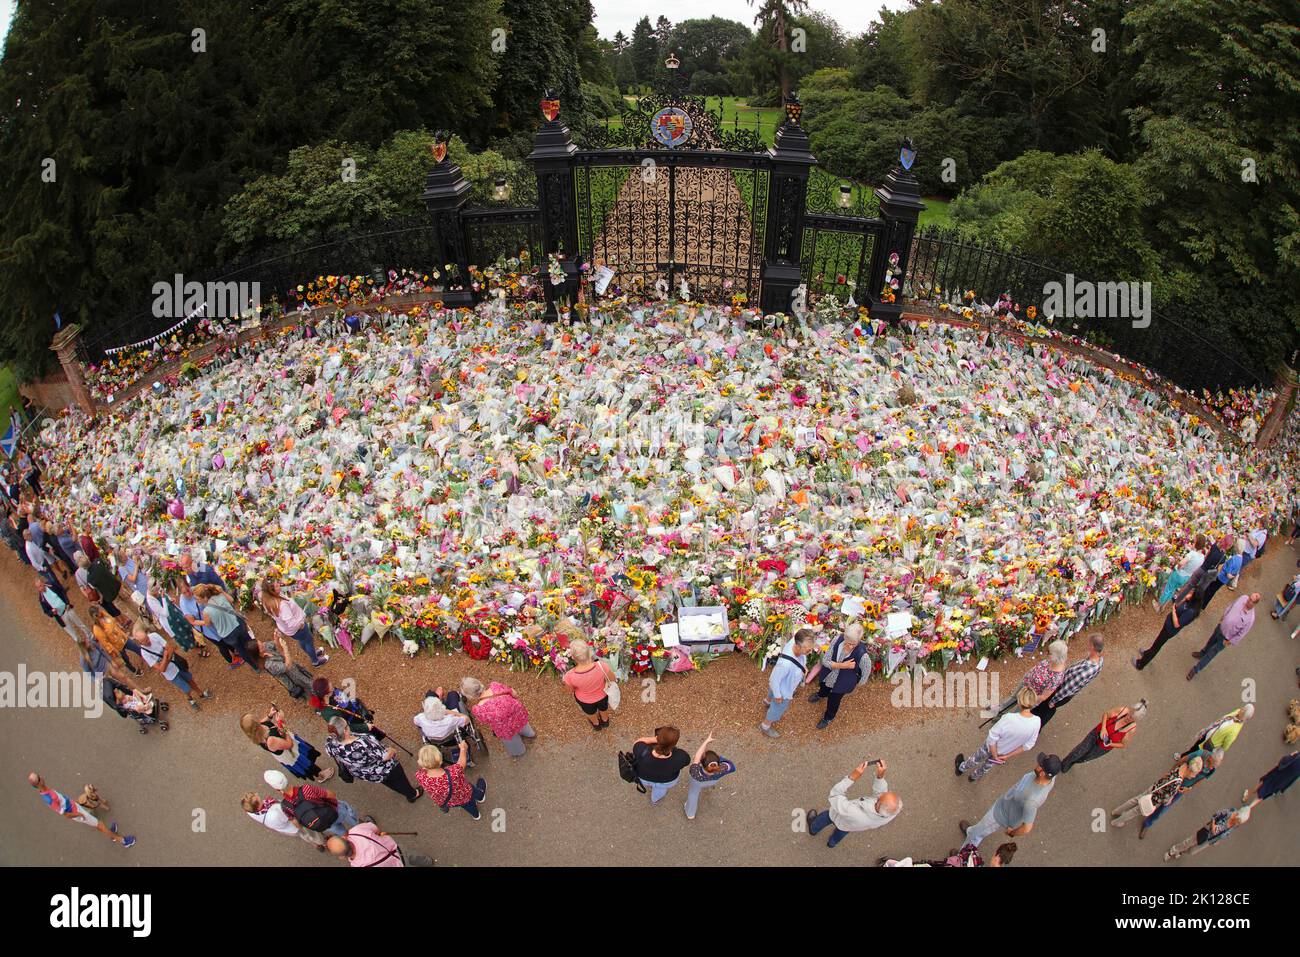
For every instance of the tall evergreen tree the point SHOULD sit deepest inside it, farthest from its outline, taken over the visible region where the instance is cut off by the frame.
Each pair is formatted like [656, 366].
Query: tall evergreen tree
[774, 22]
[644, 51]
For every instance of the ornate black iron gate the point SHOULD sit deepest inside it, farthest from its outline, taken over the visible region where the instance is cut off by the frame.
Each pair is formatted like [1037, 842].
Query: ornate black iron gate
[660, 219]
[674, 202]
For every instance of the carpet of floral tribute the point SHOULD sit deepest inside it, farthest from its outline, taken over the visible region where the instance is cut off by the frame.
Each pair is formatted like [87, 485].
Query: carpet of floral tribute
[477, 477]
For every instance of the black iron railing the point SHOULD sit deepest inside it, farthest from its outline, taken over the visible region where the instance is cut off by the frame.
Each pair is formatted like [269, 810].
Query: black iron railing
[1188, 345]
[279, 271]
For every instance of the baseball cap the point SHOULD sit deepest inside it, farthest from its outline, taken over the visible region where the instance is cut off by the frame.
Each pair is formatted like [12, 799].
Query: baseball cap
[276, 779]
[1050, 764]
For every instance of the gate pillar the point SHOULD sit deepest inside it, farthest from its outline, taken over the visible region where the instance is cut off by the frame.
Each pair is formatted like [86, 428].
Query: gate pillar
[552, 161]
[446, 191]
[791, 161]
[900, 207]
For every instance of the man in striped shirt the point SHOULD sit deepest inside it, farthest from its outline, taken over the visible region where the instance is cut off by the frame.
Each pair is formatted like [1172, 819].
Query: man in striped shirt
[1074, 680]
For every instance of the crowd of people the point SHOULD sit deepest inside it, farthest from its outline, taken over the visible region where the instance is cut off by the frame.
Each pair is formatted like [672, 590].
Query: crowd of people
[161, 619]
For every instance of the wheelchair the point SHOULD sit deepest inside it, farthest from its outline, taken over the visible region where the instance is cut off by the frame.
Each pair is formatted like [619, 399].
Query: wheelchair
[467, 735]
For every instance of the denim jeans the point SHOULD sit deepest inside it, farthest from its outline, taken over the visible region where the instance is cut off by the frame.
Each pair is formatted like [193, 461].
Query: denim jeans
[694, 788]
[347, 819]
[981, 829]
[471, 806]
[307, 642]
[658, 790]
[1212, 648]
[775, 710]
[1282, 610]
[821, 821]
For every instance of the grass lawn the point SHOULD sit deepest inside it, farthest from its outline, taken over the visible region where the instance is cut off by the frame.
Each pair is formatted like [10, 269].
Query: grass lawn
[935, 213]
[737, 114]
[9, 397]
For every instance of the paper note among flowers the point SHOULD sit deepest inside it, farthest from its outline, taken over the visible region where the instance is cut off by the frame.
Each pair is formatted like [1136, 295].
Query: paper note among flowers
[897, 624]
[853, 606]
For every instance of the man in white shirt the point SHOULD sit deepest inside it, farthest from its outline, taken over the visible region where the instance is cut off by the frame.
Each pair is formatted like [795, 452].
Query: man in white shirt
[1014, 733]
[848, 814]
[160, 655]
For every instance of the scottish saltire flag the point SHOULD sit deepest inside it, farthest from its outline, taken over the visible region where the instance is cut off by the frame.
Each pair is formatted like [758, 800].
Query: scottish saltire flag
[10, 441]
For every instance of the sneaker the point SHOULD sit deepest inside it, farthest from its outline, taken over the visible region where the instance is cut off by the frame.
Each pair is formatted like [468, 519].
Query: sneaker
[477, 815]
[823, 724]
[957, 762]
[321, 657]
[770, 732]
[113, 827]
[810, 815]
[194, 704]
[814, 698]
[481, 785]
[206, 694]
[128, 841]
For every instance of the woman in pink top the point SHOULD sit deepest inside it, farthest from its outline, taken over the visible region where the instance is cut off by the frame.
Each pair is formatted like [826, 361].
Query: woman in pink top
[587, 678]
[497, 707]
[291, 621]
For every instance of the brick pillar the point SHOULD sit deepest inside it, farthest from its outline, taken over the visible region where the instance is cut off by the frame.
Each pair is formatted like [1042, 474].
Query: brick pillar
[64, 346]
[1286, 385]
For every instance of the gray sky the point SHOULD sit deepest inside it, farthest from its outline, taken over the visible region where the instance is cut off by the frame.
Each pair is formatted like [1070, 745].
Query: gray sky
[615, 15]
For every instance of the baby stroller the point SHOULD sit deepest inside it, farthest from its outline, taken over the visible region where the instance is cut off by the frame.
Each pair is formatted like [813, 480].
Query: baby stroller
[144, 719]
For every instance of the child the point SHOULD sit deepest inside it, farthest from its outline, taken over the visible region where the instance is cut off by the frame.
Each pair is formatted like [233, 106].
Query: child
[137, 702]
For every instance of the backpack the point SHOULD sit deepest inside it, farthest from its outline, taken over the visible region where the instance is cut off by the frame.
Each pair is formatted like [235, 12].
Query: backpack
[313, 815]
[627, 770]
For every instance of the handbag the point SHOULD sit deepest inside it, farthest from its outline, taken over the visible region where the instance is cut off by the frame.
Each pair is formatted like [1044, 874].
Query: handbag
[627, 770]
[613, 692]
